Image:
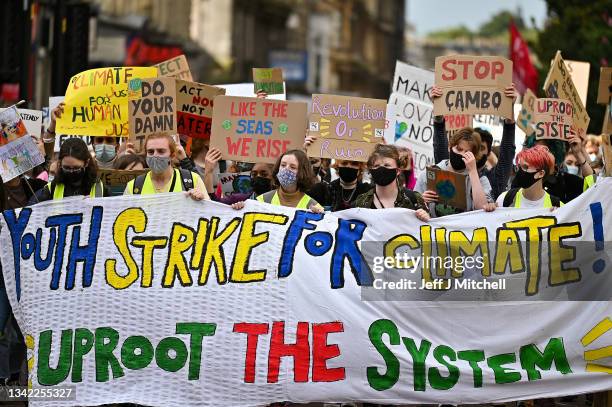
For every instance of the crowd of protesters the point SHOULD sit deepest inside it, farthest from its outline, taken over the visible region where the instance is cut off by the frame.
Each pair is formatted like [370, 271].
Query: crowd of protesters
[544, 174]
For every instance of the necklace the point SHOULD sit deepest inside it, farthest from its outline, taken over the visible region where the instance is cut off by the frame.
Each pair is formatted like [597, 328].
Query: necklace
[379, 201]
[347, 200]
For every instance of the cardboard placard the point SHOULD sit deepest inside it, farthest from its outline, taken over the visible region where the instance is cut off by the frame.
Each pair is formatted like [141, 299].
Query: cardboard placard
[54, 101]
[525, 117]
[559, 85]
[606, 143]
[194, 103]
[246, 90]
[176, 67]
[473, 84]
[458, 121]
[97, 103]
[257, 130]
[412, 82]
[354, 124]
[118, 178]
[607, 123]
[604, 91]
[18, 156]
[32, 120]
[152, 108]
[450, 186]
[270, 80]
[11, 126]
[553, 118]
[579, 71]
[235, 182]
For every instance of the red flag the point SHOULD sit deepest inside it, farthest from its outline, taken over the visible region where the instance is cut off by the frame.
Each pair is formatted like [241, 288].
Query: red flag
[524, 73]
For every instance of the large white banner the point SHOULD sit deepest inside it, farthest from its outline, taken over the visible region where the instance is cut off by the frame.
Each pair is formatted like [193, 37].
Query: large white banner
[161, 300]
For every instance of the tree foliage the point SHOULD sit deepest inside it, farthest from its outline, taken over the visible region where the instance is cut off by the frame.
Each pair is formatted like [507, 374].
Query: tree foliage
[582, 30]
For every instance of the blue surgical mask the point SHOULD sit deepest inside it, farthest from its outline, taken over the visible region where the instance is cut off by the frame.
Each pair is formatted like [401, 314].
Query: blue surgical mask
[51, 178]
[105, 152]
[571, 169]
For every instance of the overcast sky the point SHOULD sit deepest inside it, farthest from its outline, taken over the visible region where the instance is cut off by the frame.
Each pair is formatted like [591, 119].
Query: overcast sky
[432, 15]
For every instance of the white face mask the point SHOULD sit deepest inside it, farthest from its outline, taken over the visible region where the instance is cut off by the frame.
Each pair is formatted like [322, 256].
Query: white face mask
[592, 156]
[51, 178]
[572, 169]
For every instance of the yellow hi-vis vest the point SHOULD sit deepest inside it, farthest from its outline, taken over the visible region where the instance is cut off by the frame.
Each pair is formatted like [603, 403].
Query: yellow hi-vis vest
[97, 190]
[176, 185]
[547, 200]
[272, 198]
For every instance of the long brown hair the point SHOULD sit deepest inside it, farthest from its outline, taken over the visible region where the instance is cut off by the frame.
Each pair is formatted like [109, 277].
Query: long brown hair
[305, 175]
[75, 147]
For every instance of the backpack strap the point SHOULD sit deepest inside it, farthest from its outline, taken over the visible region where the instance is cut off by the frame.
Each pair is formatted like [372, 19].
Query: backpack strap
[555, 201]
[509, 198]
[186, 179]
[99, 192]
[138, 184]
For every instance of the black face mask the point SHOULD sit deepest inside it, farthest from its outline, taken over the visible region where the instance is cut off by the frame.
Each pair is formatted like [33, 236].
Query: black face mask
[261, 185]
[383, 176]
[348, 174]
[456, 161]
[482, 161]
[524, 179]
[73, 177]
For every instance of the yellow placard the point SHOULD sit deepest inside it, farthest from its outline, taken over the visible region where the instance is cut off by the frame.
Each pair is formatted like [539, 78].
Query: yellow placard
[97, 101]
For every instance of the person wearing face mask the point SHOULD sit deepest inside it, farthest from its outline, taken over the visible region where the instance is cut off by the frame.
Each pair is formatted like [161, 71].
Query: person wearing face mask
[592, 147]
[533, 165]
[77, 174]
[407, 165]
[161, 150]
[465, 151]
[105, 150]
[499, 175]
[342, 192]
[13, 351]
[261, 180]
[384, 167]
[293, 173]
[571, 163]
[563, 183]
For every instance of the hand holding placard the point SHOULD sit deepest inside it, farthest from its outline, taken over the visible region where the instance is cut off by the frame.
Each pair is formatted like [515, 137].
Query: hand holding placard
[473, 85]
[553, 119]
[257, 130]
